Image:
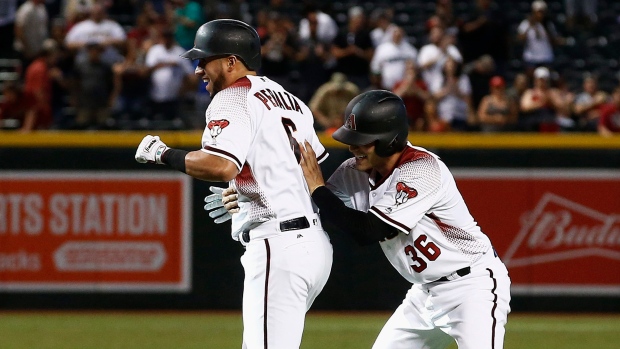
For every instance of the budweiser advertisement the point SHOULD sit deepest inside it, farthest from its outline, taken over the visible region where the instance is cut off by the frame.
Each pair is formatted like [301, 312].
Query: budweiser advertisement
[94, 231]
[558, 231]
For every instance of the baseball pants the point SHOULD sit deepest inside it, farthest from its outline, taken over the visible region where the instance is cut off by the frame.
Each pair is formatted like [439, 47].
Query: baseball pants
[283, 275]
[471, 310]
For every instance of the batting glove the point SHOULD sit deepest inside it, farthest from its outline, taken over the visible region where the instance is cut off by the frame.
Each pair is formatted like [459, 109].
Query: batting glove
[150, 150]
[223, 202]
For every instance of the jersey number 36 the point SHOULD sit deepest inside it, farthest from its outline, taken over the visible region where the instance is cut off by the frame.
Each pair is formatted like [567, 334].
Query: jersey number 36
[428, 250]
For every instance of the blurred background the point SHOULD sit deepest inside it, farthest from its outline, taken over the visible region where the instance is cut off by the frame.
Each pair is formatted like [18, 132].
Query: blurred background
[520, 99]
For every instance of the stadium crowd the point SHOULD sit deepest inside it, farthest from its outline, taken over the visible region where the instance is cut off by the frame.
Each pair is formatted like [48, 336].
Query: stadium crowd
[470, 65]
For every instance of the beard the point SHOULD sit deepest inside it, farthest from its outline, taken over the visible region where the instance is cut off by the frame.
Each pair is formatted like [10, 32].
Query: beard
[218, 84]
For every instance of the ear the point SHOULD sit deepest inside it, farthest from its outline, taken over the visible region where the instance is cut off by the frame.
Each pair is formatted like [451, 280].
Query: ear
[232, 60]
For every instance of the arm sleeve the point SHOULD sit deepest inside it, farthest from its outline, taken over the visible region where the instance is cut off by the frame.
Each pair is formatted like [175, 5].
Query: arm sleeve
[365, 228]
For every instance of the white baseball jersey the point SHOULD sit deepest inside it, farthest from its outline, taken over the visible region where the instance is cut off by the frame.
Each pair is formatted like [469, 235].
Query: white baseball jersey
[419, 198]
[390, 61]
[257, 125]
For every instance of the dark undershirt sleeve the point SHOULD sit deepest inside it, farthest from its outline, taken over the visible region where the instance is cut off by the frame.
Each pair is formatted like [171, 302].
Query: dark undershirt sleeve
[365, 228]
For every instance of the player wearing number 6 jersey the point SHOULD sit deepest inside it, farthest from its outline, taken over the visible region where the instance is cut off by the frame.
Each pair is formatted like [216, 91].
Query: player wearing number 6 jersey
[405, 198]
[253, 127]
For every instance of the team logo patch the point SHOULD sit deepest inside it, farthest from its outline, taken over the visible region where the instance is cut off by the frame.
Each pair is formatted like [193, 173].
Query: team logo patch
[216, 127]
[350, 122]
[404, 193]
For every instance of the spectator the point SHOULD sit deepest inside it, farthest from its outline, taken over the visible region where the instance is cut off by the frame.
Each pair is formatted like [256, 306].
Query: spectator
[8, 8]
[539, 36]
[609, 122]
[327, 29]
[330, 101]
[519, 85]
[453, 95]
[564, 103]
[434, 55]
[497, 111]
[390, 59]
[383, 28]
[94, 89]
[168, 73]
[107, 33]
[485, 32]
[414, 93]
[588, 104]
[538, 104]
[186, 15]
[480, 72]
[353, 49]
[315, 62]
[31, 22]
[38, 81]
[130, 77]
[17, 108]
[278, 49]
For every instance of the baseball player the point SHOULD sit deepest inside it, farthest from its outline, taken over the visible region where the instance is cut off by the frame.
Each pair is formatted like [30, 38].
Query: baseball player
[405, 198]
[251, 140]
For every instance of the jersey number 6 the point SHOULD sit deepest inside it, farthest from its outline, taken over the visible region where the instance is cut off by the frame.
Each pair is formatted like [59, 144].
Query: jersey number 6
[429, 250]
[289, 127]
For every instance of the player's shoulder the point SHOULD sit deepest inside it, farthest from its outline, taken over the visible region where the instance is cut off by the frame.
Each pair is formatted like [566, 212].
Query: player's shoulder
[416, 160]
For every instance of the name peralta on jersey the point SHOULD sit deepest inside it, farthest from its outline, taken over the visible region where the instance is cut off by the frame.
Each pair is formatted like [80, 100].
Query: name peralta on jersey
[257, 125]
[419, 197]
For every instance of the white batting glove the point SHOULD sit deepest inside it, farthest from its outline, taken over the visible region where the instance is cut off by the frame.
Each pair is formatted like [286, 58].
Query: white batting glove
[223, 202]
[150, 150]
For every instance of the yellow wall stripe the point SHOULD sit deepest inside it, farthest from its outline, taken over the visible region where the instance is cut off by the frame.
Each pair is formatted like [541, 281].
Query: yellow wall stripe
[191, 140]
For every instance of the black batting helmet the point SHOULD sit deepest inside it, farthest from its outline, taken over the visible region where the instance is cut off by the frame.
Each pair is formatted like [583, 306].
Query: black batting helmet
[377, 116]
[225, 37]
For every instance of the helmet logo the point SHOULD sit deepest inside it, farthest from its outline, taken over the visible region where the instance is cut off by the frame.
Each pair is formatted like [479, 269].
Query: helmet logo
[216, 127]
[350, 122]
[404, 193]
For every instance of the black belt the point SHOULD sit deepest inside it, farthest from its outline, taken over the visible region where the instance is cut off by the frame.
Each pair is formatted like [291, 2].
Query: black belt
[291, 224]
[461, 272]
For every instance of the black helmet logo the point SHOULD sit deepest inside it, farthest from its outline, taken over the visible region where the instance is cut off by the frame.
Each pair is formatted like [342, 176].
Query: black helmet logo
[350, 122]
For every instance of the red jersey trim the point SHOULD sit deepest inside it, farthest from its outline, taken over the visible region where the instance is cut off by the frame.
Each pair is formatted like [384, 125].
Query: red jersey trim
[242, 82]
[408, 155]
[390, 221]
[224, 153]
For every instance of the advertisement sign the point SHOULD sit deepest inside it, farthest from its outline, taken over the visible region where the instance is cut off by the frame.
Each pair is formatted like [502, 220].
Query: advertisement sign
[557, 231]
[94, 231]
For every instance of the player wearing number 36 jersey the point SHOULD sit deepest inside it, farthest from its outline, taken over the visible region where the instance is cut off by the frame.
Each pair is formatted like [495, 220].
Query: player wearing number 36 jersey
[253, 127]
[405, 198]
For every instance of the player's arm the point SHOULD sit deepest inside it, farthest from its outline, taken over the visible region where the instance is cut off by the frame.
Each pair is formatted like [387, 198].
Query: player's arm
[197, 164]
[364, 227]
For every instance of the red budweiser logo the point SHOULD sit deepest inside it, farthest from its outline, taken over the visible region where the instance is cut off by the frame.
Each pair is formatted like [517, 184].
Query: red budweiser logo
[559, 229]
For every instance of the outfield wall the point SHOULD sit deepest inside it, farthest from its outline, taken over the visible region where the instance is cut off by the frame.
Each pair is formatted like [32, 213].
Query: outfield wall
[82, 225]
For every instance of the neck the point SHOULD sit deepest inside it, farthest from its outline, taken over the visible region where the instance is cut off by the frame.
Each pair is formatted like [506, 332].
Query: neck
[388, 164]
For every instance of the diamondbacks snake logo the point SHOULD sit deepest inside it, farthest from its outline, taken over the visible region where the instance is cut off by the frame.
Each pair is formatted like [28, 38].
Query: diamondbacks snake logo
[216, 127]
[404, 193]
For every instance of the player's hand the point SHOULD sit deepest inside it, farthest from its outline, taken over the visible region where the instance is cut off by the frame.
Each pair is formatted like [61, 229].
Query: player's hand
[150, 150]
[223, 202]
[310, 167]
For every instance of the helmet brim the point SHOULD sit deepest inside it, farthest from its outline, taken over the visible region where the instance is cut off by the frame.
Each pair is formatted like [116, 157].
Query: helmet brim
[194, 53]
[351, 137]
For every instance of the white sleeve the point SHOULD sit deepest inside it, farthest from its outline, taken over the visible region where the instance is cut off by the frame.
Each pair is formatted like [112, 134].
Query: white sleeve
[229, 126]
[454, 53]
[332, 31]
[465, 84]
[319, 149]
[411, 193]
[426, 54]
[75, 34]
[117, 31]
[304, 29]
[151, 57]
[22, 13]
[522, 28]
[377, 60]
